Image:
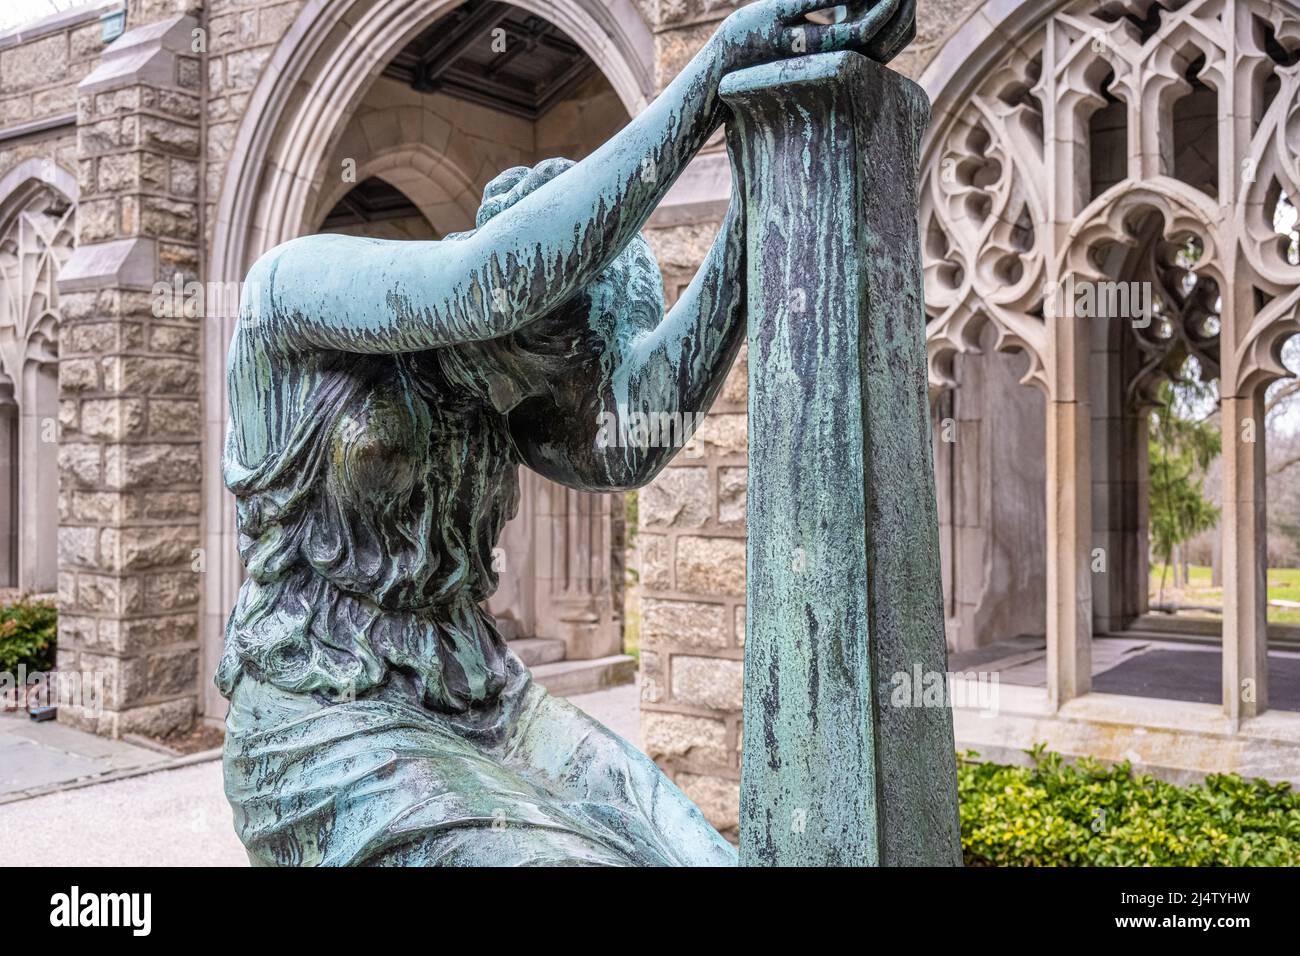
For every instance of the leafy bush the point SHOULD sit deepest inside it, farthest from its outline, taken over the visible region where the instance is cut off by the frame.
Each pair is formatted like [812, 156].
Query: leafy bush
[27, 632]
[1055, 814]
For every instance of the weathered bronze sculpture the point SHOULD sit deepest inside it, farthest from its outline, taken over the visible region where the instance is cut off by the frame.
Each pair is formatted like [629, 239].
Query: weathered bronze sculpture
[383, 395]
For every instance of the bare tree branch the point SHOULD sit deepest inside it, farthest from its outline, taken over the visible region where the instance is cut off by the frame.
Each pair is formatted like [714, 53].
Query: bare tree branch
[1284, 465]
[1281, 395]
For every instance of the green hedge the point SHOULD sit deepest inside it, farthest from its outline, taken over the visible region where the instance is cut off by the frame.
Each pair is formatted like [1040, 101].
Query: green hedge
[1056, 814]
[27, 633]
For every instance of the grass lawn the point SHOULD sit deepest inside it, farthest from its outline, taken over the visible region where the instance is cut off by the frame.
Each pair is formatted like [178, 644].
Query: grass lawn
[1283, 584]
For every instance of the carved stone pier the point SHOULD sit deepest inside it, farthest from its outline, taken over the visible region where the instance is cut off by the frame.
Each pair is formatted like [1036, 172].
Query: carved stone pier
[845, 761]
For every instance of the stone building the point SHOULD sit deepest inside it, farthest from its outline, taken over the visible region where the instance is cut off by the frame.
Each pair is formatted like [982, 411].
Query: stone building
[1074, 146]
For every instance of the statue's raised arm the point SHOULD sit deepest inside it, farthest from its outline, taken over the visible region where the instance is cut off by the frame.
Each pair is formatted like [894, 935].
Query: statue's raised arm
[335, 292]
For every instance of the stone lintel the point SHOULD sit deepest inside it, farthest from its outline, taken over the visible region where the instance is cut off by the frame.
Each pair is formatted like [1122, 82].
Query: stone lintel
[701, 194]
[42, 125]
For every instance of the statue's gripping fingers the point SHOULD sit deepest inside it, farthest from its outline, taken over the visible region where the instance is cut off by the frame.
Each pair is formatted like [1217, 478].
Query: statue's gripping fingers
[773, 29]
[894, 35]
[857, 31]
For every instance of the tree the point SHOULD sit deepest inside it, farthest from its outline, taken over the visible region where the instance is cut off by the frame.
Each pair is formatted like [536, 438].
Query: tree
[1181, 447]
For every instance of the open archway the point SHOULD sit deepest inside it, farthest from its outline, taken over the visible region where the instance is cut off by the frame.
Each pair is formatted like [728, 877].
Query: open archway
[1077, 157]
[400, 97]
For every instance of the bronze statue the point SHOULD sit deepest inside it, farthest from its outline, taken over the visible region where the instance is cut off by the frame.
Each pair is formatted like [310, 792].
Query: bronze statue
[383, 395]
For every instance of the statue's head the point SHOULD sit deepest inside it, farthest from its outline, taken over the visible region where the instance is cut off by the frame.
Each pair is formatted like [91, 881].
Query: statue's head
[631, 282]
[621, 301]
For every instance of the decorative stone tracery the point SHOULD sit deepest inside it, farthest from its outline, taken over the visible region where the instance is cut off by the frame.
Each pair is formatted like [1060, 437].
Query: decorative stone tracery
[1092, 143]
[36, 238]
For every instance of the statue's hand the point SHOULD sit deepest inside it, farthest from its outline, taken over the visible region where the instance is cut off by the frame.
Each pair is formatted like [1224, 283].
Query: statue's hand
[770, 30]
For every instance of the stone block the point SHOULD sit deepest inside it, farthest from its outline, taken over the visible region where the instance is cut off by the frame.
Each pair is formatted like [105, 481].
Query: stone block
[168, 136]
[78, 375]
[15, 109]
[678, 497]
[60, 99]
[684, 623]
[675, 48]
[146, 548]
[699, 739]
[80, 464]
[134, 466]
[36, 63]
[713, 683]
[652, 676]
[717, 797]
[154, 677]
[156, 505]
[95, 507]
[245, 66]
[112, 418]
[722, 434]
[654, 552]
[151, 375]
[174, 417]
[78, 547]
[711, 565]
[158, 720]
[97, 220]
[735, 390]
[732, 484]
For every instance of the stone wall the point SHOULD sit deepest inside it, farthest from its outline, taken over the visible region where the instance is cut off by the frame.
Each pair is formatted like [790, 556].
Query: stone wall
[129, 386]
[242, 34]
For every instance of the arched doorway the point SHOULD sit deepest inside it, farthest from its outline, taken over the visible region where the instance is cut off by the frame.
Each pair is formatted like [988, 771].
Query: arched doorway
[392, 126]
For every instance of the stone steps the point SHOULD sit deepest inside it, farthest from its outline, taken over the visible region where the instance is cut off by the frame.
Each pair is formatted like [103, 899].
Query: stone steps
[535, 651]
[567, 678]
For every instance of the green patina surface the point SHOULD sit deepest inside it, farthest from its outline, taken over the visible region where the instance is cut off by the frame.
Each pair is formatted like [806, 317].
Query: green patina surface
[843, 586]
[383, 397]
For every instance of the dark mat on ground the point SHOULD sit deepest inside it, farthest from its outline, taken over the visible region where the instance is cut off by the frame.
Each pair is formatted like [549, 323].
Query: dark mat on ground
[1194, 676]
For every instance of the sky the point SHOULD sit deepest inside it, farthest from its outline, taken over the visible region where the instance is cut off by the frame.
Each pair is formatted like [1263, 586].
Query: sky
[16, 12]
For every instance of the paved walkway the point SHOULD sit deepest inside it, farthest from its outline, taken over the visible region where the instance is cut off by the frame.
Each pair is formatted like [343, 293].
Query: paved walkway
[175, 817]
[37, 757]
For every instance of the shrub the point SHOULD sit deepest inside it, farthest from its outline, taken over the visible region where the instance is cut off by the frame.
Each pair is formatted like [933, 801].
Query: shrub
[1056, 814]
[27, 632]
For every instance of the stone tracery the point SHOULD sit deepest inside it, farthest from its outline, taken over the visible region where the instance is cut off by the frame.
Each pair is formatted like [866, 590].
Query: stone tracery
[1152, 142]
[1009, 172]
[36, 239]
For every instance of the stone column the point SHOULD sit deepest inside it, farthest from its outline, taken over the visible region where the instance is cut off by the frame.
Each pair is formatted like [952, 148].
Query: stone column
[1245, 562]
[844, 603]
[1069, 539]
[129, 381]
[577, 597]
